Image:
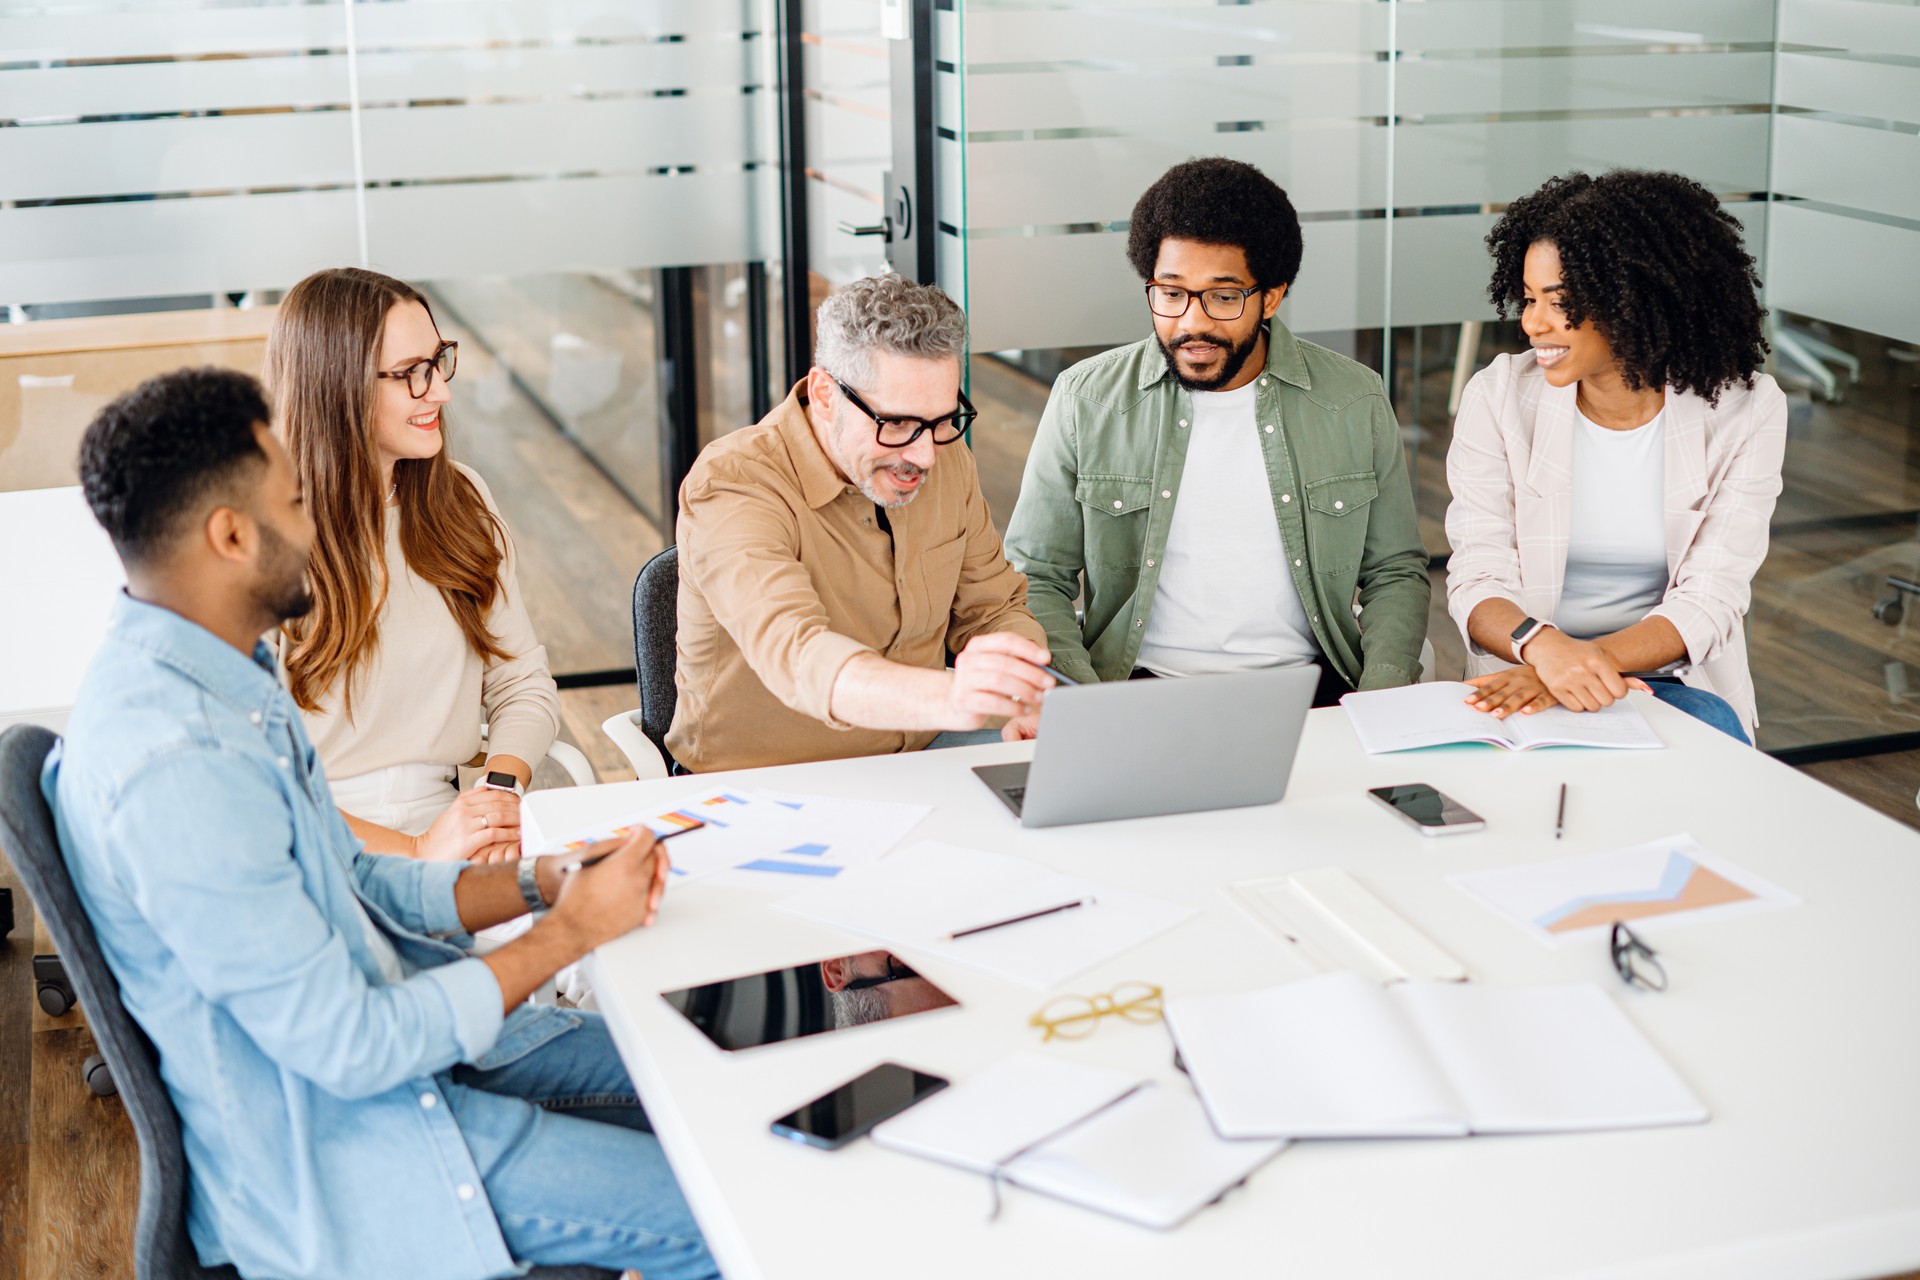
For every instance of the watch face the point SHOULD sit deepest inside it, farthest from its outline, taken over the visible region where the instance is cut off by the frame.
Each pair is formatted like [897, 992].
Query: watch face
[504, 781]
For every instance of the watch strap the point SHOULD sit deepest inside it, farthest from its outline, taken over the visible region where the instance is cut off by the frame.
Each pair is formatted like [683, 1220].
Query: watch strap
[530, 884]
[1524, 634]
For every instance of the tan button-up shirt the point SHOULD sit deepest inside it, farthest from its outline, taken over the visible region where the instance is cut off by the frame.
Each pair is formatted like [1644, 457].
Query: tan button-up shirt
[787, 571]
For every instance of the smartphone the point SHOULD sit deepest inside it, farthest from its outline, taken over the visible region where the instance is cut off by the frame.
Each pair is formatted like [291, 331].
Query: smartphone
[834, 1119]
[1429, 811]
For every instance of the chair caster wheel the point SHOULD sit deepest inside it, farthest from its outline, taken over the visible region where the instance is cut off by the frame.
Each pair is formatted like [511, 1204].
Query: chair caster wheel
[54, 1002]
[1890, 610]
[99, 1076]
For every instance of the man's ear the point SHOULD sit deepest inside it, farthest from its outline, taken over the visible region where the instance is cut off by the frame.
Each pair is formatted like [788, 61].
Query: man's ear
[821, 391]
[230, 534]
[1275, 296]
[836, 973]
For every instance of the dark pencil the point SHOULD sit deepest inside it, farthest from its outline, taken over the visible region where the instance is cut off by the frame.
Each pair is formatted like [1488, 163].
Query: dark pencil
[1560, 818]
[578, 863]
[1031, 915]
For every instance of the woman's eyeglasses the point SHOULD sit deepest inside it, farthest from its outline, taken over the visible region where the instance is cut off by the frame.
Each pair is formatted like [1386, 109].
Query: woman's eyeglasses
[419, 374]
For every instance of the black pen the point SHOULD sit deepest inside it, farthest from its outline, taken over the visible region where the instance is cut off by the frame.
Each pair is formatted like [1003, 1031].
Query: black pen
[1058, 675]
[578, 863]
[1560, 818]
[1031, 915]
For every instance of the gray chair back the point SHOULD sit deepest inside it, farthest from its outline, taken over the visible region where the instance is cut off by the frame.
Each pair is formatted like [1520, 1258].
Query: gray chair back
[656, 616]
[161, 1248]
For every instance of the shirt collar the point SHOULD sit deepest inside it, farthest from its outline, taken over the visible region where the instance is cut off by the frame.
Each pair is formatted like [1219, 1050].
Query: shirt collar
[1285, 361]
[204, 658]
[819, 482]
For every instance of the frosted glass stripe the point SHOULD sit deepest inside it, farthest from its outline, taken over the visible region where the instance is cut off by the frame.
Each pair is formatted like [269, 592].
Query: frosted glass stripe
[1875, 90]
[1162, 31]
[146, 157]
[1456, 86]
[1441, 269]
[1465, 164]
[1542, 24]
[1338, 167]
[1873, 169]
[1095, 297]
[1844, 270]
[590, 224]
[140, 88]
[113, 32]
[1175, 100]
[438, 23]
[1852, 24]
[847, 146]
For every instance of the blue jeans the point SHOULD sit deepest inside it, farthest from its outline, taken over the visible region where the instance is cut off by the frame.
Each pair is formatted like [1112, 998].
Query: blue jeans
[964, 738]
[571, 1168]
[1708, 708]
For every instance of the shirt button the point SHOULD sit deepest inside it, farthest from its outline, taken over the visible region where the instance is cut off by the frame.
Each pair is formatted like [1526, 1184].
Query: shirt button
[1166, 493]
[1338, 506]
[254, 716]
[464, 1191]
[1149, 564]
[1263, 382]
[1138, 623]
[285, 763]
[428, 1101]
[1117, 504]
[1296, 564]
[1286, 497]
[1183, 422]
[1269, 428]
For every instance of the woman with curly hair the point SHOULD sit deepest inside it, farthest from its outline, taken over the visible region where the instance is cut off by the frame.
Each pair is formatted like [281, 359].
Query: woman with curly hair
[418, 633]
[1612, 486]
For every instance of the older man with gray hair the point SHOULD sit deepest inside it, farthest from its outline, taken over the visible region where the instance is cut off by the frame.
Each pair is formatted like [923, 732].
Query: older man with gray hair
[834, 554]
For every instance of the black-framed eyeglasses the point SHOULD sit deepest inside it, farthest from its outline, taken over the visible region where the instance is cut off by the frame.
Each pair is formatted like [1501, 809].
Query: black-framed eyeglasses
[898, 433]
[896, 972]
[1636, 962]
[419, 374]
[1170, 302]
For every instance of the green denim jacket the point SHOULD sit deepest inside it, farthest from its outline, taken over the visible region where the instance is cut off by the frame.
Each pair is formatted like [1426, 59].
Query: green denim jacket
[1104, 474]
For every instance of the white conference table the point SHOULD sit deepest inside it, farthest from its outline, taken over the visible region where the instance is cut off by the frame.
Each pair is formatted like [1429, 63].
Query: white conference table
[59, 578]
[1800, 1028]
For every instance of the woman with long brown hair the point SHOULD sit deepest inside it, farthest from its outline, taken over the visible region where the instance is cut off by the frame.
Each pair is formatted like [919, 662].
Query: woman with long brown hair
[418, 633]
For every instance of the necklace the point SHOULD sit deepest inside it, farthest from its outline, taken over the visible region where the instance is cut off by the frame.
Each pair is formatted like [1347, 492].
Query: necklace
[393, 489]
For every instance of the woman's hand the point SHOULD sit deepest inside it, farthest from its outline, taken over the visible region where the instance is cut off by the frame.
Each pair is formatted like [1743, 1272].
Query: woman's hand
[1517, 689]
[479, 819]
[1577, 673]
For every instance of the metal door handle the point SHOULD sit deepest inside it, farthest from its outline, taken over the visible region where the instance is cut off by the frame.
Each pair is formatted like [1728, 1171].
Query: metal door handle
[883, 228]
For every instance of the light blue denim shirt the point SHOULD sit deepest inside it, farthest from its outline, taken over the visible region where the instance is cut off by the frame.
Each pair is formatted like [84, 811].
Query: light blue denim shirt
[234, 905]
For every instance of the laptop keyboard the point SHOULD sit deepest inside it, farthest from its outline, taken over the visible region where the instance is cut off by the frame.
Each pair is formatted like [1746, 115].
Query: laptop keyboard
[1016, 794]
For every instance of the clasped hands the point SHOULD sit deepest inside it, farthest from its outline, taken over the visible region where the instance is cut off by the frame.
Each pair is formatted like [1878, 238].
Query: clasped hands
[1562, 671]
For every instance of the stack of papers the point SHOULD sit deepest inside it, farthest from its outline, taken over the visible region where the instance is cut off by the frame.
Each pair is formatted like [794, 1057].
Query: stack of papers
[920, 896]
[1437, 715]
[763, 831]
[1089, 1135]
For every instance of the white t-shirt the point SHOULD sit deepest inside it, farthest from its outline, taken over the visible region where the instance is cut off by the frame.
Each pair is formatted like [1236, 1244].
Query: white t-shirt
[1617, 543]
[1225, 600]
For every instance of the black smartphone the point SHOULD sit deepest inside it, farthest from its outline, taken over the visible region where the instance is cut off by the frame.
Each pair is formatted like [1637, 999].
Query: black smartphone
[1431, 812]
[834, 1119]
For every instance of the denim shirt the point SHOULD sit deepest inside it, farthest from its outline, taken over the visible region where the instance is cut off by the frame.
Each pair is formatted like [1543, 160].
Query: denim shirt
[255, 943]
[1104, 474]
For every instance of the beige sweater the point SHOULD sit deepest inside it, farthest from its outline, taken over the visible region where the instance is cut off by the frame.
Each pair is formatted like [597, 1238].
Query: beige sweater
[422, 695]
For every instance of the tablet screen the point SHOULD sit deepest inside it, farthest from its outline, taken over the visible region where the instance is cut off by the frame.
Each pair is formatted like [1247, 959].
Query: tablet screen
[824, 995]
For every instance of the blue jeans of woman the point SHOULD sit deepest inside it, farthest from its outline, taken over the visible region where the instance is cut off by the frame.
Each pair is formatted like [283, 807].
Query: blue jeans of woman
[1709, 708]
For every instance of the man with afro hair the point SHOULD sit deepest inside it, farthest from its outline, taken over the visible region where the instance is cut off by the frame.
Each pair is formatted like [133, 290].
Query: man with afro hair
[1225, 490]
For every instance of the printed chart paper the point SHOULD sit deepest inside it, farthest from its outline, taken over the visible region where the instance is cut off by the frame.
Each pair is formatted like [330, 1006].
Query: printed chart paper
[1577, 899]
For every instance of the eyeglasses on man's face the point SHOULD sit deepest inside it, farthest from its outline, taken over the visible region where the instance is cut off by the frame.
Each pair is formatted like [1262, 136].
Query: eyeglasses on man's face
[899, 432]
[1170, 302]
[896, 972]
[419, 374]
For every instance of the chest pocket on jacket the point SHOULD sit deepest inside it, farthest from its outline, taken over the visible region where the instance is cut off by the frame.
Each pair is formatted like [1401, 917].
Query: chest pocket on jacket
[1337, 520]
[1115, 518]
[940, 579]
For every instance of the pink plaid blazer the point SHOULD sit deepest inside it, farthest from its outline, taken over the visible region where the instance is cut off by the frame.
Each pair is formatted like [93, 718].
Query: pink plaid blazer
[1511, 473]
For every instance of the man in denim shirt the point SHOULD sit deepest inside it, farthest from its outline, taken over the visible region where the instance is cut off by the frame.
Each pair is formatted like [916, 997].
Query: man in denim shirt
[1226, 491]
[358, 1097]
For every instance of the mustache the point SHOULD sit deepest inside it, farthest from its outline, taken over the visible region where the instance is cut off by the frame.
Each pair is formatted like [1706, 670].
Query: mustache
[906, 470]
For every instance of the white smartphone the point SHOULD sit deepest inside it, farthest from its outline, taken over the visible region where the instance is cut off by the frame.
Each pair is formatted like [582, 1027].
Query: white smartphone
[1429, 811]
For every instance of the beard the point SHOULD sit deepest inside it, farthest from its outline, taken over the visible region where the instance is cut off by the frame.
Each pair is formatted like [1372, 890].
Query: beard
[898, 500]
[1237, 355]
[281, 592]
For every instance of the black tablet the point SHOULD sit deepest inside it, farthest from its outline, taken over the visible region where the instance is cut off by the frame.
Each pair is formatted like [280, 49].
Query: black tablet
[824, 995]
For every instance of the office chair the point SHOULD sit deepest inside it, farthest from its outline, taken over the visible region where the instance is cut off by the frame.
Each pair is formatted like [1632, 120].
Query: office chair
[161, 1249]
[642, 734]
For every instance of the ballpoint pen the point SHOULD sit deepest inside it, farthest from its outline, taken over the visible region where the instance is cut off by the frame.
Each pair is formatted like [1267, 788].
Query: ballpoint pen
[568, 868]
[1560, 818]
[1031, 915]
[1059, 675]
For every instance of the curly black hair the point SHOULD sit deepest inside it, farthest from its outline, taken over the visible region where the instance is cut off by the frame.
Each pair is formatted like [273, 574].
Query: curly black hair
[153, 459]
[1219, 201]
[1658, 265]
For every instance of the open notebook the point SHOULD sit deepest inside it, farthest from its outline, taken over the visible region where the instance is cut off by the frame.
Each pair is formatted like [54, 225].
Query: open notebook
[1338, 1057]
[1437, 715]
[1098, 1138]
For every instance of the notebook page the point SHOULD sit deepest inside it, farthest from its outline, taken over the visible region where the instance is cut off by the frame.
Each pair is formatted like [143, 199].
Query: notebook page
[1620, 725]
[987, 1119]
[1420, 715]
[1546, 1059]
[1324, 1057]
[1151, 1158]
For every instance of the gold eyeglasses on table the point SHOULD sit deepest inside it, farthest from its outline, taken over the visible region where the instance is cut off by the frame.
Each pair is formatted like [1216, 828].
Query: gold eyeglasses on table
[1071, 1017]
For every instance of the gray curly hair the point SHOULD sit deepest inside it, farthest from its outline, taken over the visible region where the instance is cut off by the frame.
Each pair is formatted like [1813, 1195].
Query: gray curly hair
[886, 313]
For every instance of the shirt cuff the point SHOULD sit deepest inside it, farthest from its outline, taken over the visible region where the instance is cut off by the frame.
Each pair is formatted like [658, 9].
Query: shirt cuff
[1695, 627]
[439, 911]
[474, 997]
[821, 660]
[1383, 675]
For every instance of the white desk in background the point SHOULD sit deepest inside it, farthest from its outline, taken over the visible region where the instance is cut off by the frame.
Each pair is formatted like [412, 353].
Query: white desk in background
[1799, 1028]
[59, 578]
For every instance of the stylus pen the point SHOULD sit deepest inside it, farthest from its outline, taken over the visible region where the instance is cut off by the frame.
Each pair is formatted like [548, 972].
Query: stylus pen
[1560, 818]
[1031, 915]
[1058, 675]
[569, 868]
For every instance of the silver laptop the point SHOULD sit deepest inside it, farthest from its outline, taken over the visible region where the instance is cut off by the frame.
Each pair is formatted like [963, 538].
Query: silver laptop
[1136, 748]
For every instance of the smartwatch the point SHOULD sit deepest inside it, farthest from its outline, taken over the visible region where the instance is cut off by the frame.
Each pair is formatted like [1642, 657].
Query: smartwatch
[498, 781]
[1527, 630]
